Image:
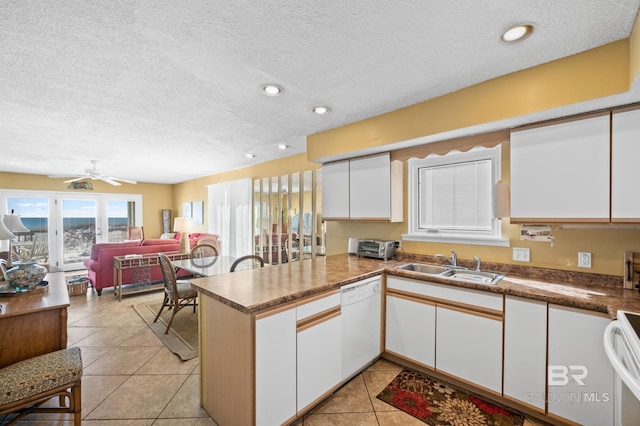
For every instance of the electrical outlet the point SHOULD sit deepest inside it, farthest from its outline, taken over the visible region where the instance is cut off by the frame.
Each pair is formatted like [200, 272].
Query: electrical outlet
[521, 254]
[584, 259]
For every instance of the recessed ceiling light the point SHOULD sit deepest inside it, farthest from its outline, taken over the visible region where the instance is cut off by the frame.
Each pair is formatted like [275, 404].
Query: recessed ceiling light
[251, 156]
[516, 33]
[272, 90]
[283, 146]
[320, 110]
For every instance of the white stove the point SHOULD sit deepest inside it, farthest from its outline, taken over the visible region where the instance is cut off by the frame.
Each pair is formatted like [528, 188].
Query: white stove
[622, 346]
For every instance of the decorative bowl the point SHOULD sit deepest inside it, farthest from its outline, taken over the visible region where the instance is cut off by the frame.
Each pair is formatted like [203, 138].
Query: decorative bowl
[25, 275]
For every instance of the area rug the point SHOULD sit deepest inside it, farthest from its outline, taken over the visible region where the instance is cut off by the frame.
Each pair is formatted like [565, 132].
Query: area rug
[437, 403]
[182, 338]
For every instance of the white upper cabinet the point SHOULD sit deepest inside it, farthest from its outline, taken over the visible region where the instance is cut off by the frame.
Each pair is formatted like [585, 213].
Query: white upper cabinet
[560, 172]
[625, 151]
[365, 188]
[335, 190]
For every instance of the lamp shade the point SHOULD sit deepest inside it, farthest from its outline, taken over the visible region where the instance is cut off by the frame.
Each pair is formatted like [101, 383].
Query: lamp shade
[14, 224]
[181, 224]
[5, 233]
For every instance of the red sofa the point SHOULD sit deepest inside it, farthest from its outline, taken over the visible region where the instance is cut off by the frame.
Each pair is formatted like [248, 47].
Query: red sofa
[100, 264]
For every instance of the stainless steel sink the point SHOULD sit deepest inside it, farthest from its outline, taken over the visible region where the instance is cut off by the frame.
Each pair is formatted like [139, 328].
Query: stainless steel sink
[453, 273]
[424, 268]
[479, 277]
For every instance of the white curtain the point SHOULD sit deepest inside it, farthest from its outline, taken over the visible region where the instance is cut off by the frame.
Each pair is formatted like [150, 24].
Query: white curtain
[230, 216]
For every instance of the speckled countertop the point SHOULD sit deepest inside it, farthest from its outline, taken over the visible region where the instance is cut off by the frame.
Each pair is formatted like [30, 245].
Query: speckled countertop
[271, 286]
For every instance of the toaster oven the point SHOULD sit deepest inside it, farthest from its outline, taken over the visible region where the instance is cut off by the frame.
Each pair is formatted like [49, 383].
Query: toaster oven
[378, 249]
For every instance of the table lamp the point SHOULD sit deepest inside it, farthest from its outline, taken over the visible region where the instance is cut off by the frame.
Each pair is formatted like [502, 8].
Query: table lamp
[6, 234]
[182, 225]
[13, 223]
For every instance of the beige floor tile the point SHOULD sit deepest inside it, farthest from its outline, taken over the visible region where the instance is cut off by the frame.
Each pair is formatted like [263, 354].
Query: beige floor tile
[186, 403]
[383, 364]
[76, 334]
[397, 418]
[346, 419]
[132, 422]
[166, 362]
[352, 397]
[92, 353]
[121, 360]
[110, 336]
[140, 397]
[376, 381]
[185, 422]
[146, 337]
[95, 389]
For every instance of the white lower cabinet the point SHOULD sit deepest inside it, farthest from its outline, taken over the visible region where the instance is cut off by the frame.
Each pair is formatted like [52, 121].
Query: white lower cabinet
[580, 377]
[275, 361]
[469, 346]
[525, 351]
[411, 328]
[319, 348]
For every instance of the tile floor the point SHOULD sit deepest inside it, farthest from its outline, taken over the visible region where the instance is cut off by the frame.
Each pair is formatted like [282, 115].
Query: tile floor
[131, 379]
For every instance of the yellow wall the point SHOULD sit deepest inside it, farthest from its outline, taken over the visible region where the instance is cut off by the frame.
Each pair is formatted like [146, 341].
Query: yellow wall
[155, 197]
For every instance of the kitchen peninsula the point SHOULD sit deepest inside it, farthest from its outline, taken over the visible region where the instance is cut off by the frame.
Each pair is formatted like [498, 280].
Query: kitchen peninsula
[249, 320]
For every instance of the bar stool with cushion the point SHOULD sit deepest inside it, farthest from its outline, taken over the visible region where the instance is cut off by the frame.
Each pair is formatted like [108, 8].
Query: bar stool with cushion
[27, 384]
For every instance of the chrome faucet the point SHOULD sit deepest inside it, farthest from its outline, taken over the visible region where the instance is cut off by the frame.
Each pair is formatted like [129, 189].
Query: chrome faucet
[453, 260]
[477, 259]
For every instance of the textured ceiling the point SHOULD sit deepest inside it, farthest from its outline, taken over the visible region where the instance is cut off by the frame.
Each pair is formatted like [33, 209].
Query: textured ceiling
[169, 91]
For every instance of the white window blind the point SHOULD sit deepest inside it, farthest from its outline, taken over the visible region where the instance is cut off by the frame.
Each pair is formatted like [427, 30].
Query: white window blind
[456, 196]
[451, 198]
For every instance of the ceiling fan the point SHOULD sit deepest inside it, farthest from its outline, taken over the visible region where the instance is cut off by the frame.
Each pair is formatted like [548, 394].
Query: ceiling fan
[94, 174]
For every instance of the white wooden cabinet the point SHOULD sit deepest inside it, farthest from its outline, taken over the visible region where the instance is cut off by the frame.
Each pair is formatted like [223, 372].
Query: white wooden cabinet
[467, 326]
[560, 172]
[411, 328]
[335, 190]
[580, 377]
[525, 351]
[625, 151]
[365, 188]
[469, 346]
[319, 348]
[275, 361]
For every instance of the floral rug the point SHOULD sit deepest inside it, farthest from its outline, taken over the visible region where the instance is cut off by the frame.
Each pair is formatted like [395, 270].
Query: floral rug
[437, 403]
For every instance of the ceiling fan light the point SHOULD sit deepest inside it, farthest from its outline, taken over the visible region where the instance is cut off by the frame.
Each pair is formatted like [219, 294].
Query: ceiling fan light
[516, 33]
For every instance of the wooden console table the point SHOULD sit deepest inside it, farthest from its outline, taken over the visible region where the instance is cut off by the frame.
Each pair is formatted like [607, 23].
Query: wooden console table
[121, 263]
[34, 323]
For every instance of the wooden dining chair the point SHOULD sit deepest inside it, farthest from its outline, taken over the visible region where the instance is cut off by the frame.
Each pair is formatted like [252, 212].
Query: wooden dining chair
[249, 261]
[177, 293]
[203, 250]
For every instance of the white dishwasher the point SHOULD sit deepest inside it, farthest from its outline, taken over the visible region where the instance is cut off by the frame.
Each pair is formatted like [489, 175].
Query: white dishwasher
[361, 307]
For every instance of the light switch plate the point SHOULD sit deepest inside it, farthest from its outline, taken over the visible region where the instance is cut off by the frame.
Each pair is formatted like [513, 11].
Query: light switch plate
[521, 254]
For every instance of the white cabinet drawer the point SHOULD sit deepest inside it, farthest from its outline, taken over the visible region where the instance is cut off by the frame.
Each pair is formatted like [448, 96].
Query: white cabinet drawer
[450, 293]
[317, 305]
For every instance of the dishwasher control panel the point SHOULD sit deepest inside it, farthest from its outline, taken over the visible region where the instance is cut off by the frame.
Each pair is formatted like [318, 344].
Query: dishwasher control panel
[360, 290]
